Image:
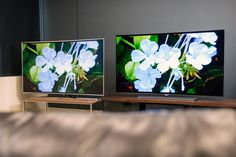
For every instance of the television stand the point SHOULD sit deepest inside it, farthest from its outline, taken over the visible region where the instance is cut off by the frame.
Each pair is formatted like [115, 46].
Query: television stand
[62, 100]
[225, 103]
[82, 98]
[168, 97]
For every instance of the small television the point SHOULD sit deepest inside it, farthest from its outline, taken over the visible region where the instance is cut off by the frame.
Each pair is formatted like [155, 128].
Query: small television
[63, 67]
[188, 63]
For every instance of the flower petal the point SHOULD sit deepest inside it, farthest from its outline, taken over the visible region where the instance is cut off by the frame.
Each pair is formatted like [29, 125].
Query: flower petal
[175, 53]
[92, 44]
[173, 63]
[203, 59]
[144, 44]
[45, 86]
[165, 90]
[46, 67]
[149, 82]
[212, 51]
[140, 74]
[163, 67]
[152, 47]
[145, 64]
[210, 37]
[137, 56]
[164, 48]
[140, 88]
[154, 73]
[40, 61]
[87, 60]
[53, 76]
[49, 53]
[43, 76]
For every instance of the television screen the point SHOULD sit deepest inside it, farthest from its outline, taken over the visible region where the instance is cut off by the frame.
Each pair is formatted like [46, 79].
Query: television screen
[66, 67]
[171, 63]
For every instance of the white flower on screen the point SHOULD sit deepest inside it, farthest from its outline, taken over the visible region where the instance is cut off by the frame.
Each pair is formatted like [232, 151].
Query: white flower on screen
[47, 81]
[47, 59]
[90, 44]
[199, 55]
[62, 90]
[167, 89]
[194, 35]
[146, 79]
[209, 37]
[86, 59]
[147, 55]
[167, 57]
[69, 77]
[63, 62]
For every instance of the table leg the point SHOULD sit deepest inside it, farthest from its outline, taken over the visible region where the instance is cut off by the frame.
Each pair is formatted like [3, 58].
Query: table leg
[46, 107]
[23, 107]
[91, 108]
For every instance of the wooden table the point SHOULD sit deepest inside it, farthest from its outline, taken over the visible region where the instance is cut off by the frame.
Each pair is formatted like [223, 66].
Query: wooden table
[63, 100]
[226, 103]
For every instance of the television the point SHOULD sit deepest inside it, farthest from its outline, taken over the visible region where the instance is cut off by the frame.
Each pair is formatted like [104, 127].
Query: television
[72, 67]
[182, 63]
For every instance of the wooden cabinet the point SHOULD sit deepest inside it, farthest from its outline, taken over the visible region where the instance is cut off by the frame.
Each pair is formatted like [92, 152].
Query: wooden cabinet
[62, 100]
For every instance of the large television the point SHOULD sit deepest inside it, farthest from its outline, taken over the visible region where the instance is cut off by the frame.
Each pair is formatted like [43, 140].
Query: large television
[182, 63]
[72, 67]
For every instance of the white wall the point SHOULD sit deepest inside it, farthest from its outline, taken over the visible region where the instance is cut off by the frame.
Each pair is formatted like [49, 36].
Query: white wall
[10, 93]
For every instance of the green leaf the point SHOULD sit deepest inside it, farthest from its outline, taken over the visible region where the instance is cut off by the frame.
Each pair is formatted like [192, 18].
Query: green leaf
[34, 71]
[59, 83]
[118, 40]
[191, 91]
[28, 62]
[25, 56]
[52, 45]
[94, 84]
[128, 43]
[129, 70]
[154, 38]
[189, 71]
[138, 39]
[215, 73]
[23, 47]
[40, 46]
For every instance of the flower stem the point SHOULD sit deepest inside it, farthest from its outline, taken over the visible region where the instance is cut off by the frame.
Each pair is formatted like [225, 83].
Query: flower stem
[184, 42]
[187, 45]
[62, 46]
[172, 82]
[171, 74]
[178, 42]
[182, 84]
[72, 45]
[76, 48]
[129, 43]
[167, 36]
[32, 50]
[65, 81]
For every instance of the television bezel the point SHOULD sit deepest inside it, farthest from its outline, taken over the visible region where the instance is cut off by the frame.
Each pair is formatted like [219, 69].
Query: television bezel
[66, 93]
[153, 94]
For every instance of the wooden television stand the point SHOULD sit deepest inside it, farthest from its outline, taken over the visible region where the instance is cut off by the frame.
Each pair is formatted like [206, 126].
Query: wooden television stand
[225, 103]
[63, 100]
